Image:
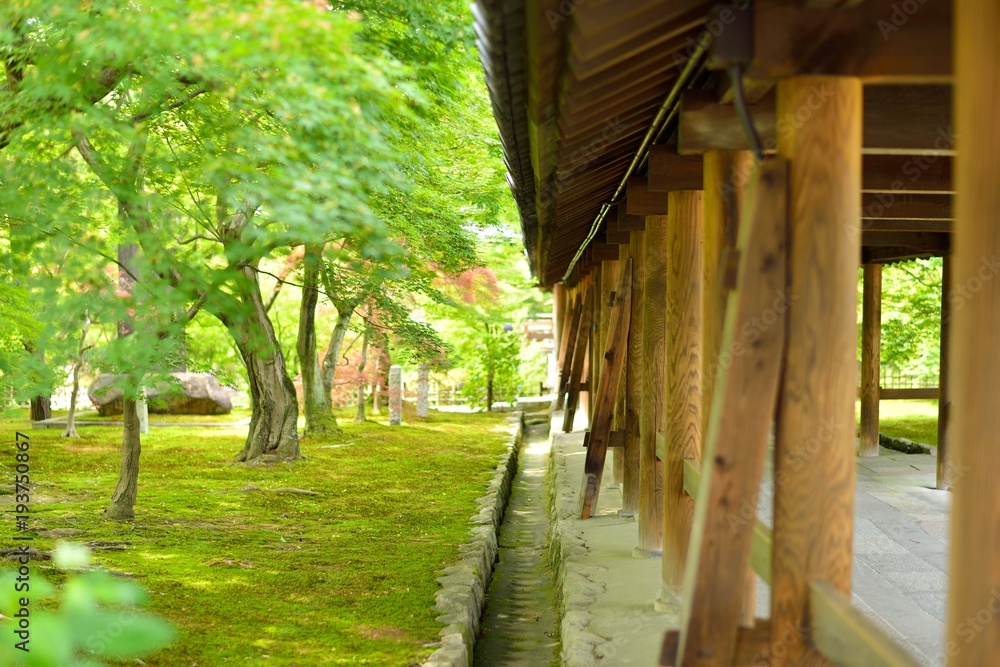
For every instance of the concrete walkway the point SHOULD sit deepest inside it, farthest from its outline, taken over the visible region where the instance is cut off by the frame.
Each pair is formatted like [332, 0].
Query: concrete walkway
[609, 594]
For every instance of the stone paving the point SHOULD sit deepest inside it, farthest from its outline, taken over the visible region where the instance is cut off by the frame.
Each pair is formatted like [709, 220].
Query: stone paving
[899, 578]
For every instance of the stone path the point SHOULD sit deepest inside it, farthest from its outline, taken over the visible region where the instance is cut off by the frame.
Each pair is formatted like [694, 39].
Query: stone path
[520, 624]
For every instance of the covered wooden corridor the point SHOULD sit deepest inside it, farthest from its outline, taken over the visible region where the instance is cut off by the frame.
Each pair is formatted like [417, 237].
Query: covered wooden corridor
[699, 185]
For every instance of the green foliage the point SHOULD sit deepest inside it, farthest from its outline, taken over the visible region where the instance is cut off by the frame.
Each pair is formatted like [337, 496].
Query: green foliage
[911, 317]
[97, 617]
[492, 362]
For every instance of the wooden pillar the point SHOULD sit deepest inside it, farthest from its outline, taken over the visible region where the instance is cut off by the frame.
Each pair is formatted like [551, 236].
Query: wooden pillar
[593, 359]
[814, 466]
[684, 359]
[633, 378]
[579, 359]
[652, 421]
[609, 277]
[871, 342]
[975, 358]
[944, 396]
[568, 345]
[620, 406]
[725, 175]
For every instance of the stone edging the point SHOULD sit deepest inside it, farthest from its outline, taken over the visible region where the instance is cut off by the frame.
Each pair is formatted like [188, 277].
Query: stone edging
[463, 585]
[575, 586]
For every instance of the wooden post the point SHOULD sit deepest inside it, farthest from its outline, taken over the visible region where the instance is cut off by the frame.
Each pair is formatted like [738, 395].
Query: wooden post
[614, 362]
[724, 179]
[568, 347]
[871, 337]
[737, 434]
[609, 274]
[684, 353]
[593, 359]
[633, 377]
[944, 397]
[580, 347]
[975, 359]
[815, 446]
[652, 420]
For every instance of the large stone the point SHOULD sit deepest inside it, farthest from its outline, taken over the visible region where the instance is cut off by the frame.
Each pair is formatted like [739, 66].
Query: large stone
[192, 394]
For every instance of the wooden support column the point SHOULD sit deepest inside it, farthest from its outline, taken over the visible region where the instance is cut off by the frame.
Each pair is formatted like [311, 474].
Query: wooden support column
[609, 276]
[814, 466]
[684, 354]
[568, 347]
[944, 397]
[633, 377]
[593, 359]
[724, 180]
[580, 347]
[614, 363]
[974, 384]
[560, 318]
[871, 343]
[652, 418]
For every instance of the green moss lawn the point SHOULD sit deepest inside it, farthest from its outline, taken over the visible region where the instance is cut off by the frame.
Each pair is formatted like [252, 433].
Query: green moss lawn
[913, 420]
[262, 577]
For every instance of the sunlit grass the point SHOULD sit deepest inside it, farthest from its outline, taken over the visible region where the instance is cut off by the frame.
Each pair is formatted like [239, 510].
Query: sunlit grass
[914, 420]
[277, 578]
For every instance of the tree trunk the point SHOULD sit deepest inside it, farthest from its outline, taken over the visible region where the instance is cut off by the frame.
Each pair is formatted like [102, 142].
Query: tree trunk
[318, 405]
[41, 408]
[329, 368]
[489, 391]
[273, 432]
[123, 499]
[360, 416]
[70, 431]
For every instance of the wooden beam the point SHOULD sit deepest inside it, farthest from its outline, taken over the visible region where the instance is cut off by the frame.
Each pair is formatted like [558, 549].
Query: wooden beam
[725, 176]
[877, 39]
[670, 171]
[580, 346]
[653, 411]
[893, 225]
[846, 636]
[760, 547]
[944, 469]
[898, 119]
[604, 252]
[752, 643]
[614, 360]
[937, 244]
[814, 455]
[740, 421]
[684, 331]
[569, 348]
[630, 223]
[871, 337]
[886, 255]
[905, 206]
[640, 201]
[917, 393]
[916, 174]
[631, 487]
[974, 381]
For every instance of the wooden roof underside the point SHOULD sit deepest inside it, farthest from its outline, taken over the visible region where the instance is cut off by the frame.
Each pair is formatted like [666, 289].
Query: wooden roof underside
[576, 87]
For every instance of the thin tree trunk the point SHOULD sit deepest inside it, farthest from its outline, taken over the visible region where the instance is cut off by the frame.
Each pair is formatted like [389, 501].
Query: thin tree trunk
[273, 432]
[123, 499]
[70, 431]
[317, 402]
[489, 391]
[359, 417]
[329, 367]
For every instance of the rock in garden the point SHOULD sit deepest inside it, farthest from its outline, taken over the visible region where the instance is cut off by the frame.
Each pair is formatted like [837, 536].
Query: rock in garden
[191, 394]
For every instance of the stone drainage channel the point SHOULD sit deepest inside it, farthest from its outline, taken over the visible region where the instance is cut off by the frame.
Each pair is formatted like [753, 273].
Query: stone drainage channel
[520, 625]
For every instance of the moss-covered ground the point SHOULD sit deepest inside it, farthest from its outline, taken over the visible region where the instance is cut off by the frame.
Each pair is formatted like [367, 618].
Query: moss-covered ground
[268, 577]
[913, 420]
